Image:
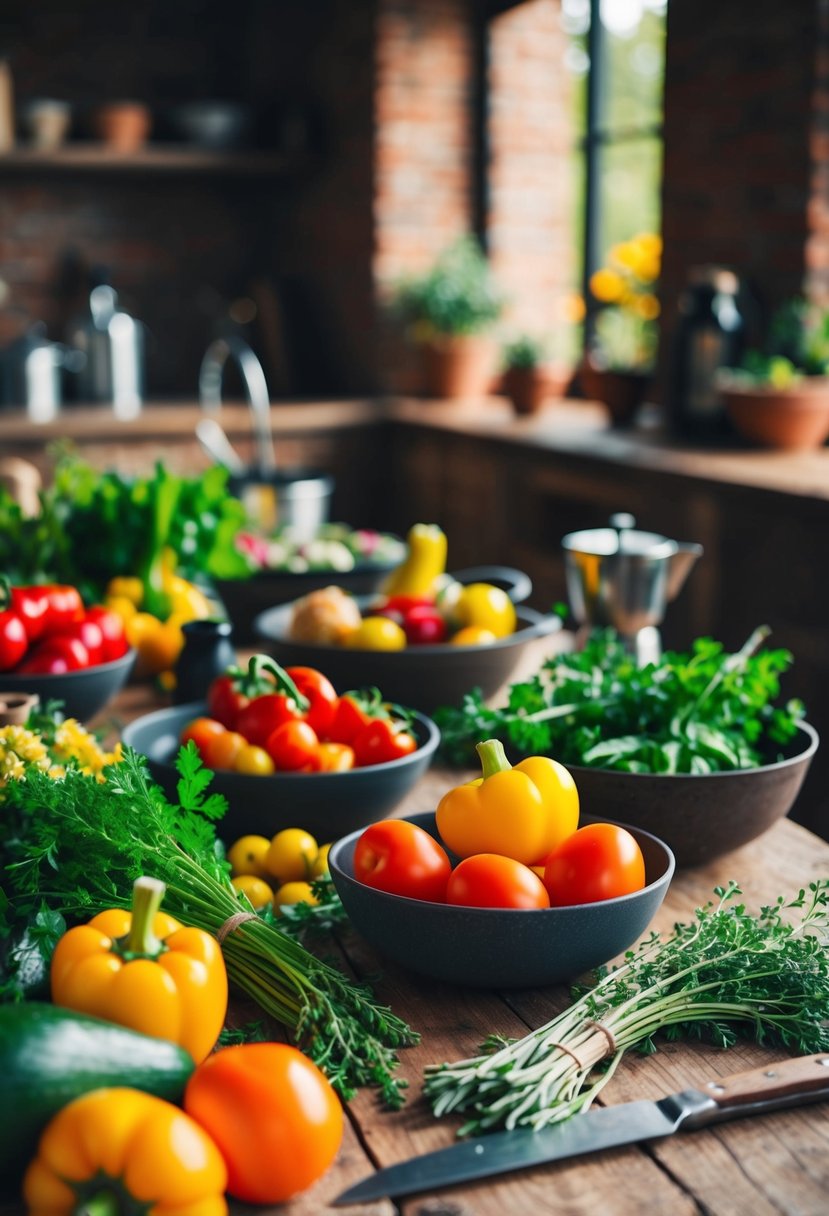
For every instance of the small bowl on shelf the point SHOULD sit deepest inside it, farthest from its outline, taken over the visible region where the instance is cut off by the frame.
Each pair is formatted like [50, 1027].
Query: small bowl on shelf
[423, 676]
[499, 947]
[82, 693]
[325, 804]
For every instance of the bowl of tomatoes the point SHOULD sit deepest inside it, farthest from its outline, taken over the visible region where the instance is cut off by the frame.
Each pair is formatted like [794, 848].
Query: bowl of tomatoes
[527, 944]
[334, 762]
[434, 665]
[54, 647]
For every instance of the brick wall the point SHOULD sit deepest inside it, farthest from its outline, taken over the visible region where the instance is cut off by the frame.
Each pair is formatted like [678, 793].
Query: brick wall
[740, 185]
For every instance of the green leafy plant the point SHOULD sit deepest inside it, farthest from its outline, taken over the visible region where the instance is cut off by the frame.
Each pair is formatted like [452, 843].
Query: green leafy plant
[457, 296]
[797, 347]
[526, 352]
[696, 712]
[725, 973]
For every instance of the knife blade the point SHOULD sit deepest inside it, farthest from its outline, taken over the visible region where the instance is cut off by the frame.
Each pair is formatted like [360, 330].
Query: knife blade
[772, 1087]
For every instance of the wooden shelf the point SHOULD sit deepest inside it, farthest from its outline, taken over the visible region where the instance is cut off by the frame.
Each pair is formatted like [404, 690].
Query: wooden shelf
[158, 158]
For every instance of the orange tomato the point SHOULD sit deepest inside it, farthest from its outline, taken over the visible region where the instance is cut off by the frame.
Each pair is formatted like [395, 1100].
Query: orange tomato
[222, 751]
[202, 731]
[599, 861]
[273, 1115]
[489, 880]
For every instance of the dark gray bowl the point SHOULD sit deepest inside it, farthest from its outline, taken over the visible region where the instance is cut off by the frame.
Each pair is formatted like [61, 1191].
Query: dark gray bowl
[326, 804]
[498, 947]
[422, 676]
[701, 816]
[83, 693]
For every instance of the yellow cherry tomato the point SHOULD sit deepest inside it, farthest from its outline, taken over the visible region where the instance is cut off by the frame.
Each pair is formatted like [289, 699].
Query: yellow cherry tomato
[376, 633]
[131, 589]
[473, 635]
[320, 866]
[254, 761]
[292, 853]
[121, 606]
[293, 893]
[247, 855]
[486, 606]
[256, 889]
[187, 601]
[140, 626]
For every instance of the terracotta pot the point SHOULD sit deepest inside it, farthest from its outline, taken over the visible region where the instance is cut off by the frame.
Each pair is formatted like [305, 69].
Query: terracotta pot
[15, 707]
[123, 125]
[458, 366]
[529, 387]
[621, 392]
[793, 418]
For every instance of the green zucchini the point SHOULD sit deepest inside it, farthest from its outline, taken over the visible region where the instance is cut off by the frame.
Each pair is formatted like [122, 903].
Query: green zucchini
[49, 1055]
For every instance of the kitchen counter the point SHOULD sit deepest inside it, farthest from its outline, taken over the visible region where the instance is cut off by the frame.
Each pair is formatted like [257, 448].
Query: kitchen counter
[775, 1165]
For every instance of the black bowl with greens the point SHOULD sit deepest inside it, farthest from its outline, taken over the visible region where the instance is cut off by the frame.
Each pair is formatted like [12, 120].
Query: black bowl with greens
[697, 748]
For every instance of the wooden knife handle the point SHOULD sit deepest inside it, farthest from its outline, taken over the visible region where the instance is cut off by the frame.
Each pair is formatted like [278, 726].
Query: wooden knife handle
[799, 1077]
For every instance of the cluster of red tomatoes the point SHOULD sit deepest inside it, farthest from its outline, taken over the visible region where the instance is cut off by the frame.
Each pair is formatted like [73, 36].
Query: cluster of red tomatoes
[596, 862]
[273, 719]
[46, 630]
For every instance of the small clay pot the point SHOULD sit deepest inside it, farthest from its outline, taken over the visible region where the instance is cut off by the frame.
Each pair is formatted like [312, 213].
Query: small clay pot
[124, 125]
[621, 392]
[529, 387]
[792, 419]
[15, 707]
[454, 367]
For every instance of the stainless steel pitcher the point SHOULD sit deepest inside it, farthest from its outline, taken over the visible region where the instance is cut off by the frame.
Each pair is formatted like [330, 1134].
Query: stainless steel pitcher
[113, 345]
[622, 577]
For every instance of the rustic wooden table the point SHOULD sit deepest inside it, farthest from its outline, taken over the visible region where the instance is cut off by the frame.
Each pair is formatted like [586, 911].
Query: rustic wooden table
[766, 1166]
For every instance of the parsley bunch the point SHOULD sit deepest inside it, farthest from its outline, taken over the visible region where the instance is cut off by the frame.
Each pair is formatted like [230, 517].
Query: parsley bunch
[699, 712]
[725, 973]
[75, 846]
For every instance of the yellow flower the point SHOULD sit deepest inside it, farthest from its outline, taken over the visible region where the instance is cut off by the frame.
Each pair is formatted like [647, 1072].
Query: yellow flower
[646, 307]
[607, 285]
[75, 744]
[20, 748]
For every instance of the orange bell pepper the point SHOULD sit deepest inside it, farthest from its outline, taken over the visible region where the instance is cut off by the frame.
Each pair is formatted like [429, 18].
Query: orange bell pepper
[521, 812]
[120, 1150]
[144, 970]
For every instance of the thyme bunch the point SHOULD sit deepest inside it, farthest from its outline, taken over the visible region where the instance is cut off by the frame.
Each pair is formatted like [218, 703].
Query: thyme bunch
[725, 973]
[76, 845]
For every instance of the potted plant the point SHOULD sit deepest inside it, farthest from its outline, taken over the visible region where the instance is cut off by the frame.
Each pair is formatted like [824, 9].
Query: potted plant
[618, 366]
[529, 376]
[450, 311]
[780, 396]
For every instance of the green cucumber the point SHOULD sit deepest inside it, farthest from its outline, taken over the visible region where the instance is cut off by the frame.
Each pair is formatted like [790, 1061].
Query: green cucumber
[49, 1055]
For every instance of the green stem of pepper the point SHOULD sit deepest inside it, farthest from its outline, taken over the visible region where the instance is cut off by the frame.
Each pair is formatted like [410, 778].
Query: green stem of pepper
[493, 757]
[264, 675]
[141, 941]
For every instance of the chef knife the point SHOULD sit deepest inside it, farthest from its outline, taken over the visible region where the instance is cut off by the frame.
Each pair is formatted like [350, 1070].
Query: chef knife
[773, 1087]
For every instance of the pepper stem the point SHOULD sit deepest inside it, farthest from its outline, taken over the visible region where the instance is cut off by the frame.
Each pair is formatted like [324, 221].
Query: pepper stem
[102, 1203]
[493, 757]
[147, 894]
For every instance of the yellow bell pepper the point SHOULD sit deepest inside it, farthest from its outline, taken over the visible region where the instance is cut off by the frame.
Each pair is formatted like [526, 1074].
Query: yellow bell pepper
[484, 606]
[521, 812]
[423, 564]
[143, 970]
[120, 1151]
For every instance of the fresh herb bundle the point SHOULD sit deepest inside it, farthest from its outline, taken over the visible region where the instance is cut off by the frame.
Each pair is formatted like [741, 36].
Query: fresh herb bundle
[76, 846]
[699, 712]
[724, 973]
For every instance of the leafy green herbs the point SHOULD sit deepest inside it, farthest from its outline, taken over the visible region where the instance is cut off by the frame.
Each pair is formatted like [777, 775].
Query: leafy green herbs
[76, 846]
[699, 712]
[725, 973]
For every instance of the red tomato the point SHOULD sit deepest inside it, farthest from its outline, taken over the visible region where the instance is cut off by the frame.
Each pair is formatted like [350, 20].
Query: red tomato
[32, 605]
[400, 857]
[405, 603]
[14, 640]
[221, 751]
[489, 880]
[273, 1114]
[423, 625]
[65, 607]
[114, 644]
[88, 632]
[381, 740]
[294, 747]
[202, 731]
[225, 701]
[55, 655]
[350, 716]
[599, 861]
[260, 717]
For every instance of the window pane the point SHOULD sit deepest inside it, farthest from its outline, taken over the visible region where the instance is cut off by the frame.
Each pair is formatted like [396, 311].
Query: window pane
[629, 184]
[632, 83]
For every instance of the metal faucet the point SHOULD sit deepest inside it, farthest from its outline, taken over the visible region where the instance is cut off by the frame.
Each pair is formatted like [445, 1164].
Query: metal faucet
[211, 373]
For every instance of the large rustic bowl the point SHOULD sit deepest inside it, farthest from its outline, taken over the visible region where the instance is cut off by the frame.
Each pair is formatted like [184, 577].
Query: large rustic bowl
[793, 419]
[499, 947]
[325, 804]
[83, 693]
[701, 815]
[422, 676]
